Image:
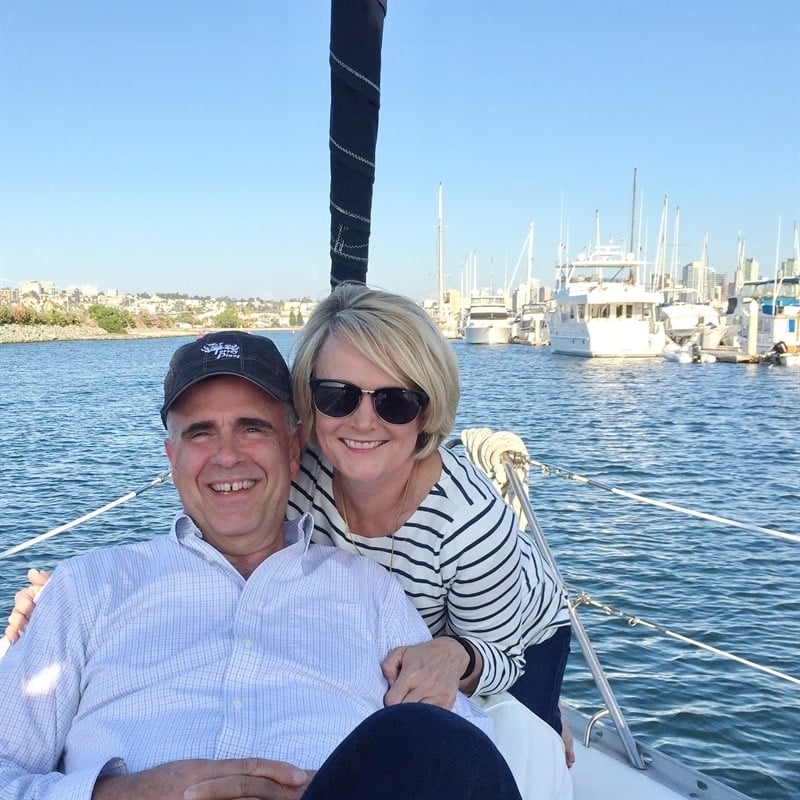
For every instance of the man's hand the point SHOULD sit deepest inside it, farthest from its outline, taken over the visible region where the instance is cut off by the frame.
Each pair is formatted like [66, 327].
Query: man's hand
[428, 673]
[24, 603]
[201, 779]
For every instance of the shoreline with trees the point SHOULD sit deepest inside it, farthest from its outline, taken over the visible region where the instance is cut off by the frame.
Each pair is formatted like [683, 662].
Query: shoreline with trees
[21, 324]
[24, 334]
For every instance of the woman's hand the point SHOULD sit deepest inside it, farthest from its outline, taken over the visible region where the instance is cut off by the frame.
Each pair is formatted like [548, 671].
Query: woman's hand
[429, 673]
[24, 603]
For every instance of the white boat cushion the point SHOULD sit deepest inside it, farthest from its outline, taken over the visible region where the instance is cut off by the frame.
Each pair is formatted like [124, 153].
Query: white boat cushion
[533, 750]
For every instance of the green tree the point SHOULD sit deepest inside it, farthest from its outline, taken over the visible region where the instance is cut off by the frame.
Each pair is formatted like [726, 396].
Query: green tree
[58, 317]
[229, 318]
[187, 317]
[111, 320]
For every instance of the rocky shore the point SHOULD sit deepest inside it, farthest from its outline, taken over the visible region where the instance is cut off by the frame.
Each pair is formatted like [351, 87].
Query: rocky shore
[17, 334]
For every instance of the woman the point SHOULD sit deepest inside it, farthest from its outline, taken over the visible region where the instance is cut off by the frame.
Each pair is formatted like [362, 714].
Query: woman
[376, 386]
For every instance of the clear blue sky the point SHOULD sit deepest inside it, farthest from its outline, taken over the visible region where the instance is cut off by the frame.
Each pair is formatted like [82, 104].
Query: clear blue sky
[182, 146]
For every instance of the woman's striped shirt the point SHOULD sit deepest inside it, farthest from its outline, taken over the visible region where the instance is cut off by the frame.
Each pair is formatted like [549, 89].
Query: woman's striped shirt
[461, 559]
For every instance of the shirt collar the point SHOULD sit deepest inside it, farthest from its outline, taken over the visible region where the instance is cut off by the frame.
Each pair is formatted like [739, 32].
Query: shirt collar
[296, 531]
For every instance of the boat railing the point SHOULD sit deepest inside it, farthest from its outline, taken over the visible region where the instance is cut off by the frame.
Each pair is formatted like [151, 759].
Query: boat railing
[504, 458]
[476, 441]
[593, 662]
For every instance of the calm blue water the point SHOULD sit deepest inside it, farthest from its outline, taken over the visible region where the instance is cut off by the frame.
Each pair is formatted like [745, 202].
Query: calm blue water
[80, 427]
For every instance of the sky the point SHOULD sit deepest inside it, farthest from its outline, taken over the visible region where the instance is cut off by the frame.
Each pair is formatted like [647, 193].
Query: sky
[182, 146]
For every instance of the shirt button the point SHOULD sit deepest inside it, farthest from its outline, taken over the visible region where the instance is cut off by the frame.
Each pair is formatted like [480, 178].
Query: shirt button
[248, 642]
[237, 703]
[250, 605]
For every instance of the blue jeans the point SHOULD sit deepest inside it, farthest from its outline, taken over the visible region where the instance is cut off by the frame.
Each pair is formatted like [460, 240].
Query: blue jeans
[539, 687]
[414, 751]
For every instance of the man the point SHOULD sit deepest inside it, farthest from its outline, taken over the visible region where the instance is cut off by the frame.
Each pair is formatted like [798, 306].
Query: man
[231, 658]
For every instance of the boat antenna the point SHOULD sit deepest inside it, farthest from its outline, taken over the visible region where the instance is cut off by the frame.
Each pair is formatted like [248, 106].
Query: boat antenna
[355, 62]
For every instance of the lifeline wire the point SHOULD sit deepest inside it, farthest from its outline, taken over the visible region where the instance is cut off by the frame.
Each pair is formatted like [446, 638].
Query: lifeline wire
[547, 469]
[585, 599]
[61, 528]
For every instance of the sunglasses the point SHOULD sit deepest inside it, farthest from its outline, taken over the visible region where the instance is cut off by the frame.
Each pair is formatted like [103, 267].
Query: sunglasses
[394, 405]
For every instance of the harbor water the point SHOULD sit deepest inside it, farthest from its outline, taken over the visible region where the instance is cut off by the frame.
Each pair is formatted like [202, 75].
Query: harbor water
[80, 428]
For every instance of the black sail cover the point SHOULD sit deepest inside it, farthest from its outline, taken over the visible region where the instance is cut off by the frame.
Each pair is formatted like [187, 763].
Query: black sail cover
[355, 59]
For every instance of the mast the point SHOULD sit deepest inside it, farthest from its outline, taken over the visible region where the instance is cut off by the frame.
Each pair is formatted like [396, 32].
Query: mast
[633, 211]
[355, 62]
[597, 227]
[674, 268]
[777, 267]
[659, 270]
[796, 249]
[641, 251]
[530, 260]
[440, 254]
[738, 278]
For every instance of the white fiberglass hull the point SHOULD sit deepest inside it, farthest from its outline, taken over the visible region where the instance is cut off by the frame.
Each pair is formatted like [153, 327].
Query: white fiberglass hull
[609, 339]
[488, 333]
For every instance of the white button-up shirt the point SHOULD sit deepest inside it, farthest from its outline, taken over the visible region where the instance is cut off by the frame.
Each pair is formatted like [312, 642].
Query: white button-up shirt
[148, 653]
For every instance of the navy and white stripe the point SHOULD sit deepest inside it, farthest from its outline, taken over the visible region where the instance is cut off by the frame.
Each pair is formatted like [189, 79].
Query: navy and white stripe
[460, 558]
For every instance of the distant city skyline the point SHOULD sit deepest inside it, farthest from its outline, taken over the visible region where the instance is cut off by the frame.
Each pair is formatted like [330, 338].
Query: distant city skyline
[30, 284]
[694, 275]
[183, 147]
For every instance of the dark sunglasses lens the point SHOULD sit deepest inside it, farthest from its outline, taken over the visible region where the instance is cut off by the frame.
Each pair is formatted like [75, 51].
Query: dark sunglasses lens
[336, 399]
[397, 406]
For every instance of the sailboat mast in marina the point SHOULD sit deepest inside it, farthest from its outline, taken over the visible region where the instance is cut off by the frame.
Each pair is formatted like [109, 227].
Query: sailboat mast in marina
[440, 259]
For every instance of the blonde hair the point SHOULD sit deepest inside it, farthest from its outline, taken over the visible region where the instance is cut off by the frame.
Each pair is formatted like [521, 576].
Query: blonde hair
[395, 334]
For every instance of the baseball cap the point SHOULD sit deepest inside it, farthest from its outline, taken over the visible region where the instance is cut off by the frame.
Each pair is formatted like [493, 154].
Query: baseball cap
[246, 355]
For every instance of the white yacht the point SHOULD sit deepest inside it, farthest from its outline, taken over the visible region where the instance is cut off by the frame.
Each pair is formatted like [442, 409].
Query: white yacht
[488, 321]
[687, 318]
[600, 309]
[764, 318]
[530, 327]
